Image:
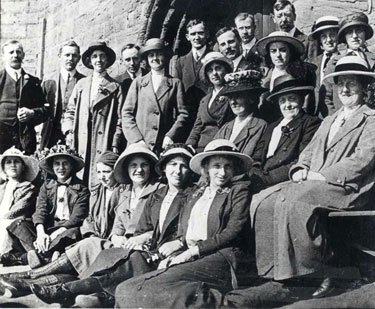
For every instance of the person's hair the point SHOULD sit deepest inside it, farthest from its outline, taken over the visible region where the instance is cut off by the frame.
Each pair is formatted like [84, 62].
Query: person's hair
[281, 4]
[70, 43]
[194, 22]
[293, 55]
[3, 162]
[11, 42]
[125, 166]
[243, 16]
[226, 29]
[129, 46]
[204, 181]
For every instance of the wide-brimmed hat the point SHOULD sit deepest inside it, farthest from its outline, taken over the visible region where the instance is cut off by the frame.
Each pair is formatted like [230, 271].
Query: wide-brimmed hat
[279, 36]
[46, 158]
[170, 152]
[220, 147]
[286, 83]
[356, 19]
[153, 44]
[350, 65]
[98, 46]
[323, 23]
[214, 57]
[120, 171]
[249, 80]
[31, 164]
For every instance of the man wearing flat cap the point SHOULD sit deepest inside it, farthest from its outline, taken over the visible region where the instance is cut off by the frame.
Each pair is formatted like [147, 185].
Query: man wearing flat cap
[57, 91]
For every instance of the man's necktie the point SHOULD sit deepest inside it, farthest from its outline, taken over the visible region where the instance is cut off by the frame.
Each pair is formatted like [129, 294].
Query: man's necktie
[68, 79]
[328, 58]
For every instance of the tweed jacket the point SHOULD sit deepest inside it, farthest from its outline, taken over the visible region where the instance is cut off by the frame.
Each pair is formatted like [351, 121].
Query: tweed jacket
[209, 120]
[51, 131]
[96, 121]
[247, 140]
[77, 201]
[273, 170]
[31, 97]
[151, 116]
[24, 198]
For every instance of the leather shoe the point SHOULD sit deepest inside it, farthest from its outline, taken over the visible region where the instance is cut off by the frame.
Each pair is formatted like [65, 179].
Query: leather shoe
[325, 288]
[10, 259]
[13, 287]
[58, 293]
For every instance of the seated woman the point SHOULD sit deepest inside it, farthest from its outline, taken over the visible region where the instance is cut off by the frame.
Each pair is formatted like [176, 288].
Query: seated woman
[17, 194]
[334, 171]
[61, 207]
[283, 140]
[282, 55]
[214, 110]
[243, 89]
[114, 213]
[214, 230]
[155, 239]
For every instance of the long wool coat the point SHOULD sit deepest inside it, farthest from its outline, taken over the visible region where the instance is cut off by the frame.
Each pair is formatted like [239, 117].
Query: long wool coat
[294, 242]
[95, 122]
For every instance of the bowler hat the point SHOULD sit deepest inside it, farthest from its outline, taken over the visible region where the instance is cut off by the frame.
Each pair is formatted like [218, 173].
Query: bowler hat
[58, 150]
[120, 171]
[279, 36]
[248, 80]
[98, 46]
[356, 19]
[214, 57]
[351, 65]
[173, 151]
[31, 164]
[220, 147]
[152, 44]
[286, 83]
[323, 23]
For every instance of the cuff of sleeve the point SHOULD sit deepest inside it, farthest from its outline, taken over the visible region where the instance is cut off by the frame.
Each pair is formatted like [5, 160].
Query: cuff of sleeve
[194, 251]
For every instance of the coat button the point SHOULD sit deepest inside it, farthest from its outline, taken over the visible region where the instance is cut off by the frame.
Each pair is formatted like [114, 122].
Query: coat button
[283, 199]
[152, 143]
[98, 151]
[100, 132]
[155, 128]
[339, 180]
[156, 113]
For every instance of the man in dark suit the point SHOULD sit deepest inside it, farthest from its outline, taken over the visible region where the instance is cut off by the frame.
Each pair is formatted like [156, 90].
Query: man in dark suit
[57, 91]
[131, 60]
[22, 104]
[284, 16]
[229, 43]
[187, 67]
[245, 25]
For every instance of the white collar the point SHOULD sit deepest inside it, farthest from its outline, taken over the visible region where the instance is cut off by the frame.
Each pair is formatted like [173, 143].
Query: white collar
[292, 31]
[66, 181]
[249, 45]
[198, 52]
[12, 72]
[64, 73]
[138, 73]
[236, 61]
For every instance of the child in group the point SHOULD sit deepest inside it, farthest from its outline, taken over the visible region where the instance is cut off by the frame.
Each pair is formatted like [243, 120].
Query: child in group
[61, 207]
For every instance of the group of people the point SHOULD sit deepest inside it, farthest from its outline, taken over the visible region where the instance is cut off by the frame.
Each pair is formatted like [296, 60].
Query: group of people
[161, 186]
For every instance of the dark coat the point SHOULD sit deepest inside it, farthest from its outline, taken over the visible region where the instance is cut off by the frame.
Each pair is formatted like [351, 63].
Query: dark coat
[51, 131]
[209, 121]
[31, 97]
[125, 81]
[77, 200]
[248, 138]
[311, 47]
[267, 172]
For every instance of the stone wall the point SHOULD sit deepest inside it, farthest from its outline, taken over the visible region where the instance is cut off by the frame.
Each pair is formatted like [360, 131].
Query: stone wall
[116, 21]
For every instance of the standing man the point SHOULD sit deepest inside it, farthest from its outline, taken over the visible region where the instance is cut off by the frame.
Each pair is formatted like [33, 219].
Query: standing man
[324, 32]
[132, 62]
[284, 16]
[187, 67]
[22, 103]
[229, 43]
[57, 92]
[245, 25]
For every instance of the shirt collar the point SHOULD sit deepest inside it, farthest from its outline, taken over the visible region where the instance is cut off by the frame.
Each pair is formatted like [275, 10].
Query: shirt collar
[138, 73]
[237, 61]
[12, 71]
[68, 181]
[64, 73]
[198, 52]
[292, 31]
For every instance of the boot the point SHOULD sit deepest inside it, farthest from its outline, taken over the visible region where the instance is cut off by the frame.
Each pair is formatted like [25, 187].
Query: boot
[11, 259]
[60, 266]
[325, 288]
[58, 293]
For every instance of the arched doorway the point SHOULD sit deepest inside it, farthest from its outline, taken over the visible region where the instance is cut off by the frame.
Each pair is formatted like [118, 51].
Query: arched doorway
[167, 18]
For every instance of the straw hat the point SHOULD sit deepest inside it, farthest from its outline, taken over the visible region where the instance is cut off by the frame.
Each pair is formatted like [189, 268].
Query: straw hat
[220, 147]
[285, 84]
[98, 46]
[214, 57]
[31, 164]
[173, 151]
[120, 171]
[279, 36]
[323, 23]
[356, 19]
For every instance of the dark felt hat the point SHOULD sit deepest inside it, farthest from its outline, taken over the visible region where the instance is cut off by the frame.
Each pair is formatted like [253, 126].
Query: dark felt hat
[356, 19]
[153, 44]
[98, 46]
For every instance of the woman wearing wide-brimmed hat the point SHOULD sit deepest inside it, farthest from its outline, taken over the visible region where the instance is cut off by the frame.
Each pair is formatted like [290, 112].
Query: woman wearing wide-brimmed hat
[92, 121]
[282, 54]
[243, 89]
[154, 111]
[153, 240]
[214, 230]
[214, 110]
[283, 140]
[334, 171]
[17, 194]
